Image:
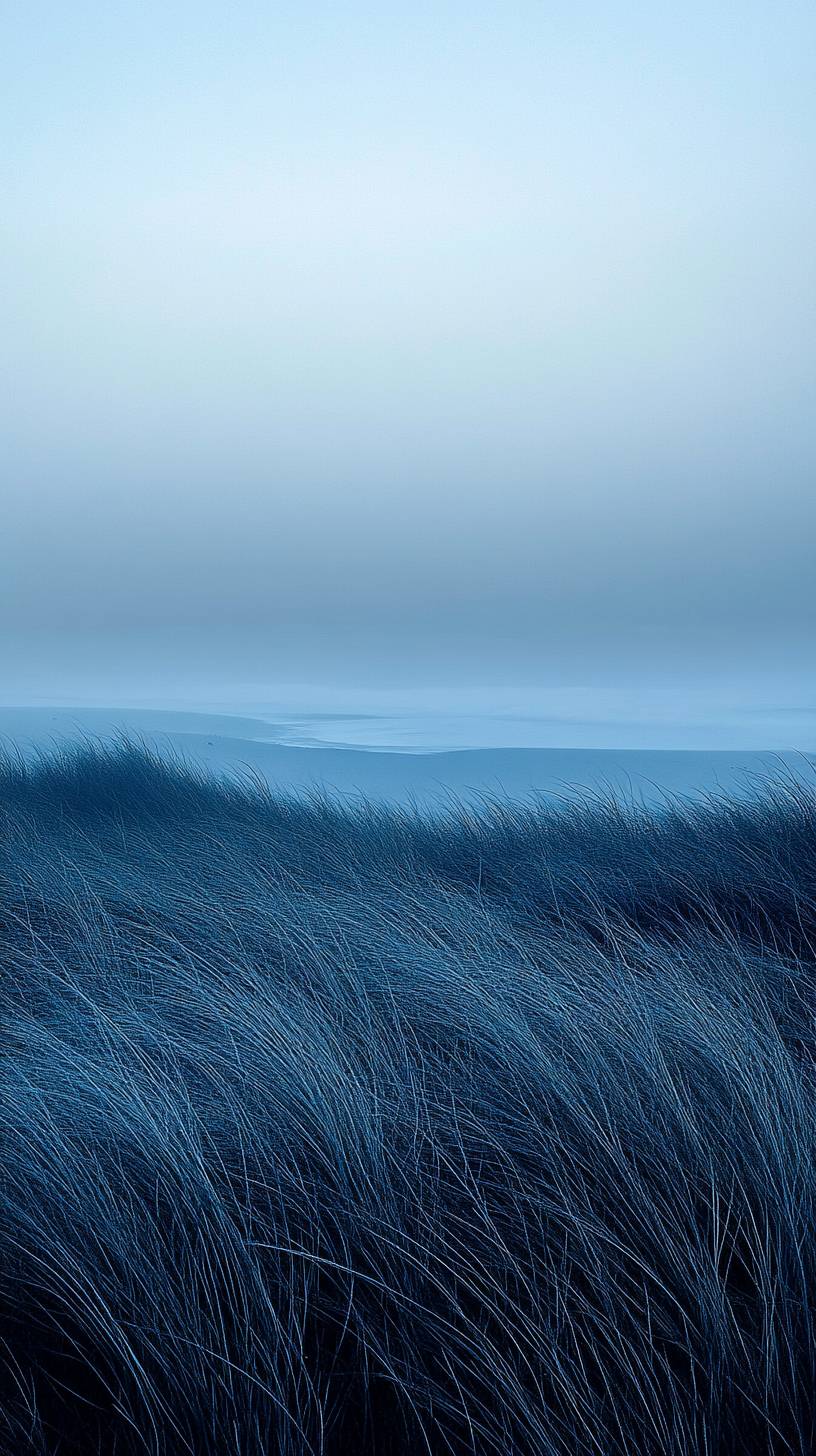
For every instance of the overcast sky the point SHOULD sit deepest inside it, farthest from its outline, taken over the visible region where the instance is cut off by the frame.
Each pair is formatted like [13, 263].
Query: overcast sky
[407, 343]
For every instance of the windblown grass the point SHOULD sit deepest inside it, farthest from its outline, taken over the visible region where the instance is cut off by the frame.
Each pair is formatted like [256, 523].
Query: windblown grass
[346, 1131]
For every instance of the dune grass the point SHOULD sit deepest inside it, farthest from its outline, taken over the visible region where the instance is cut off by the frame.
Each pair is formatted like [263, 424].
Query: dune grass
[343, 1130]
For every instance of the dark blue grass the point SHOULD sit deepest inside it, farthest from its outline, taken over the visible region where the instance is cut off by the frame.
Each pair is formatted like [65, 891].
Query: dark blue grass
[334, 1131]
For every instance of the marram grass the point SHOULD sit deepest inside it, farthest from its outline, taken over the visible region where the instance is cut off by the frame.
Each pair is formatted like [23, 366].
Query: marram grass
[342, 1130]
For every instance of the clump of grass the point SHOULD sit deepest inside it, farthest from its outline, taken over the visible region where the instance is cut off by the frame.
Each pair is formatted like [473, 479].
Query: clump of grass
[333, 1130]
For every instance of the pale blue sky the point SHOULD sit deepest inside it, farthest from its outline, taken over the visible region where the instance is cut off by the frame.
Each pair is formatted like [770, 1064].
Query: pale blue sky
[390, 343]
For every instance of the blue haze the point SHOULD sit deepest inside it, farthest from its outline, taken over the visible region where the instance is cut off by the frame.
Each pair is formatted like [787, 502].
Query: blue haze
[450, 346]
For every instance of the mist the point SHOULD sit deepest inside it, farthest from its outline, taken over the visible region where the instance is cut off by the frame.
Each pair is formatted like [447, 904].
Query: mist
[466, 347]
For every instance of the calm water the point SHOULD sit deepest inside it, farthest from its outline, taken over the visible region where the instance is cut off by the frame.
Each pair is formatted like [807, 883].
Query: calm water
[429, 757]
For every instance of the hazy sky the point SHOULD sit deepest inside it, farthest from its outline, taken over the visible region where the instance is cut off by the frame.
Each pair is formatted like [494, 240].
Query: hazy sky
[425, 342]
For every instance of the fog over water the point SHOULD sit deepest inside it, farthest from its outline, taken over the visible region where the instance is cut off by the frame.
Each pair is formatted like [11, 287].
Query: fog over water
[452, 364]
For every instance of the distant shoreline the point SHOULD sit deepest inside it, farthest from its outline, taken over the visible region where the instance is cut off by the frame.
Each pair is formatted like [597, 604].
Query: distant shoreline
[227, 745]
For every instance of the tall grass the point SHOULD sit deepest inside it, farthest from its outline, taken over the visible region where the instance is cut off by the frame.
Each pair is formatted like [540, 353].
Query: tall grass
[333, 1130]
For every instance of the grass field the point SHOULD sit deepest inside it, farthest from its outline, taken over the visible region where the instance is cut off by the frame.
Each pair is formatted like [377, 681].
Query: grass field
[346, 1131]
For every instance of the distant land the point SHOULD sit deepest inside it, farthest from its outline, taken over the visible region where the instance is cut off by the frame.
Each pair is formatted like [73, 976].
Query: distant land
[293, 759]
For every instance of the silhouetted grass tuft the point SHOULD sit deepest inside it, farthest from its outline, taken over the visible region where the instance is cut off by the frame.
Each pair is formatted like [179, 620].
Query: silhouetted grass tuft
[332, 1130]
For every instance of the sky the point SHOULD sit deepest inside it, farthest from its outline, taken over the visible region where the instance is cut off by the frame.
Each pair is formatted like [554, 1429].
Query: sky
[442, 344]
